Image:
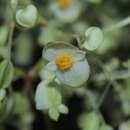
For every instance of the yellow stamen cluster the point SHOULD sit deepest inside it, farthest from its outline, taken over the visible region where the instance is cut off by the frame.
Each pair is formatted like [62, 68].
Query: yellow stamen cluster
[64, 61]
[64, 3]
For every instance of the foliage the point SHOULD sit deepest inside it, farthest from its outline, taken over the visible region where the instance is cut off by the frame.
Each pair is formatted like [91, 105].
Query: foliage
[52, 51]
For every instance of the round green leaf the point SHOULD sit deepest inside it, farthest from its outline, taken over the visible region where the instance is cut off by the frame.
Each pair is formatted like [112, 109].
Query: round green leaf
[75, 76]
[54, 114]
[23, 53]
[63, 109]
[105, 127]
[21, 103]
[94, 38]
[27, 17]
[54, 97]
[90, 121]
[3, 34]
[6, 73]
[48, 34]
[52, 50]
[2, 94]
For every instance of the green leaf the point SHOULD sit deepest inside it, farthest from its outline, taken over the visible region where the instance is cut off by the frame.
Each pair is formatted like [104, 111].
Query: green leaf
[41, 96]
[105, 127]
[6, 73]
[54, 97]
[125, 125]
[23, 53]
[63, 109]
[53, 49]
[94, 38]
[48, 34]
[3, 34]
[95, 1]
[14, 3]
[2, 94]
[75, 76]
[47, 96]
[90, 121]
[54, 114]
[21, 103]
[27, 17]
[3, 52]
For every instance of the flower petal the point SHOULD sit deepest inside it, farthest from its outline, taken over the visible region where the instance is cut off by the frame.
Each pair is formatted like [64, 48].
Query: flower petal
[41, 97]
[47, 96]
[47, 74]
[76, 75]
[79, 55]
[51, 66]
[52, 50]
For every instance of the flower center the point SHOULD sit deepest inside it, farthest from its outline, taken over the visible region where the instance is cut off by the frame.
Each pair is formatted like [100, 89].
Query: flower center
[64, 3]
[64, 61]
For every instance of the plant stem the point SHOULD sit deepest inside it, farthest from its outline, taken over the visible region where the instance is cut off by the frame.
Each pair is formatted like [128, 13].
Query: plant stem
[104, 94]
[43, 21]
[92, 100]
[122, 74]
[119, 25]
[37, 67]
[94, 104]
[10, 40]
[11, 29]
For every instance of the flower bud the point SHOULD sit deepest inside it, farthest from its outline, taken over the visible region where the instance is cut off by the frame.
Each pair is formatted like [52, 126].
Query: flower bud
[27, 17]
[94, 38]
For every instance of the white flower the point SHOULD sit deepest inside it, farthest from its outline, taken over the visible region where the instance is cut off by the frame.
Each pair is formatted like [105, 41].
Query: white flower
[68, 62]
[66, 10]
